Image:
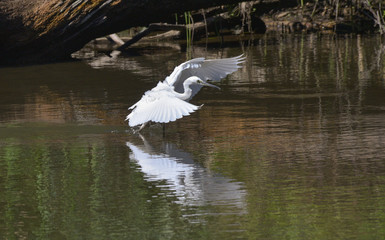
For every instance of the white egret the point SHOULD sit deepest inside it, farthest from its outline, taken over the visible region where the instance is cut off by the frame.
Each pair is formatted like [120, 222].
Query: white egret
[168, 101]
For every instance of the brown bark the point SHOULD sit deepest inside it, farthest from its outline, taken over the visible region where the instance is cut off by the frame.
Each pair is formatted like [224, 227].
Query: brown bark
[48, 30]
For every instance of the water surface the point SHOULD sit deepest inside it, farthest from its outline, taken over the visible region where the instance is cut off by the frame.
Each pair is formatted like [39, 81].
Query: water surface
[292, 147]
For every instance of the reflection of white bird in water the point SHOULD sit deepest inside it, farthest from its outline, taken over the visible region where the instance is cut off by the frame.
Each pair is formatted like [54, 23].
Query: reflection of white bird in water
[191, 182]
[167, 101]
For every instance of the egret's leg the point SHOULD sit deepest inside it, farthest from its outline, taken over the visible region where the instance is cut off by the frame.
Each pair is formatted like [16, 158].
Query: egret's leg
[164, 129]
[141, 127]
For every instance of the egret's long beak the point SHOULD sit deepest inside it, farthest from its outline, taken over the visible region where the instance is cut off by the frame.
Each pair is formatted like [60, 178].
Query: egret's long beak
[210, 85]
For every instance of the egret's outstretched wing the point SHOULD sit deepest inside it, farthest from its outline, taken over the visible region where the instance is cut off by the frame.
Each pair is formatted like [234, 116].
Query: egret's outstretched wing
[159, 107]
[213, 70]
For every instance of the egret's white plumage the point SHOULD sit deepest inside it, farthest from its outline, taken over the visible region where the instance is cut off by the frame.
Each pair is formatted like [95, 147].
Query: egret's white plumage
[167, 101]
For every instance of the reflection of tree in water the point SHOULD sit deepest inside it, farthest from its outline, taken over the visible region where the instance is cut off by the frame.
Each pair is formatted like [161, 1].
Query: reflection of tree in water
[85, 186]
[343, 75]
[312, 74]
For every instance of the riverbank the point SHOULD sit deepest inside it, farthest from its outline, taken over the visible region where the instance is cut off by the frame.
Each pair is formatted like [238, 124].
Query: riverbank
[20, 43]
[250, 18]
[313, 17]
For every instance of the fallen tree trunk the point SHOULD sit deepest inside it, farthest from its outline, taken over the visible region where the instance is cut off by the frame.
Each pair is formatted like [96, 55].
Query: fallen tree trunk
[35, 30]
[151, 28]
[174, 30]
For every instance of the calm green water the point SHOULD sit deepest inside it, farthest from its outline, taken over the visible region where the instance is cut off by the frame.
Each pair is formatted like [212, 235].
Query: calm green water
[292, 147]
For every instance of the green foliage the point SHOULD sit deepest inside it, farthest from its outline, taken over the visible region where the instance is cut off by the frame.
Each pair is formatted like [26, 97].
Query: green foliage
[189, 33]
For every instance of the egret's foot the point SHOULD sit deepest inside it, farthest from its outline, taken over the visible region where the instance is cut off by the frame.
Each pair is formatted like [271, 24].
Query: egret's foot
[134, 131]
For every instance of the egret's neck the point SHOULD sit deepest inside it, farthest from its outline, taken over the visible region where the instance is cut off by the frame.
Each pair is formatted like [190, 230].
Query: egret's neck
[187, 90]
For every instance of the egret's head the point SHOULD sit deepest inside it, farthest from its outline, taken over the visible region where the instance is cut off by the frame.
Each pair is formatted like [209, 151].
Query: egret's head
[199, 81]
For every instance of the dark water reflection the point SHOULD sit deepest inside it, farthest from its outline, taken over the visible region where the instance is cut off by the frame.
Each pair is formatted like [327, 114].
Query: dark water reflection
[291, 148]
